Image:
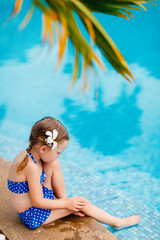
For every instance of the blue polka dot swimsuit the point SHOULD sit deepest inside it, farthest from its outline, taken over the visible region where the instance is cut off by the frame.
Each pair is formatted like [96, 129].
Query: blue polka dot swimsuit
[32, 217]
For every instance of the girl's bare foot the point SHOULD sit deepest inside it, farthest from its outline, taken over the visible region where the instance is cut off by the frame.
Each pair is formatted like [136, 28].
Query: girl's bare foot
[127, 222]
[80, 214]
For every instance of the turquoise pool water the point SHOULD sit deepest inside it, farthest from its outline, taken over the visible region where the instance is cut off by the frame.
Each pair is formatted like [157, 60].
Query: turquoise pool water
[115, 142]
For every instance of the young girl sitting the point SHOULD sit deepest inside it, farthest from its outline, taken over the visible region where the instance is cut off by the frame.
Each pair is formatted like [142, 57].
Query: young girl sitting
[35, 177]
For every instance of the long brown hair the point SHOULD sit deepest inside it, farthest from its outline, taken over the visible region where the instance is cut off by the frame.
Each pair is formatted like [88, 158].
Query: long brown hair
[38, 135]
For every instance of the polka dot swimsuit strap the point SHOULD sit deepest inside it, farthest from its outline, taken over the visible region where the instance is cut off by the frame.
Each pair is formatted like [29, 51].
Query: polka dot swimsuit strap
[30, 154]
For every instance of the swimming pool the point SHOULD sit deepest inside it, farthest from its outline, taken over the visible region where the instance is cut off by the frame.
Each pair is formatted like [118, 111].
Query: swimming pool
[115, 139]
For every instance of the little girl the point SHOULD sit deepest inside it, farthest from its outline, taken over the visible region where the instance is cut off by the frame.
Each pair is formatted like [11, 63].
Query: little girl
[37, 186]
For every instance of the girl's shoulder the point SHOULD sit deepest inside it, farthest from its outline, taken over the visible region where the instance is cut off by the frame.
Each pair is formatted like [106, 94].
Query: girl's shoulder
[22, 175]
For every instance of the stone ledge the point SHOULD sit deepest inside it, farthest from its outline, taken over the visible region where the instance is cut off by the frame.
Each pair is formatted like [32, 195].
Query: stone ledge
[71, 227]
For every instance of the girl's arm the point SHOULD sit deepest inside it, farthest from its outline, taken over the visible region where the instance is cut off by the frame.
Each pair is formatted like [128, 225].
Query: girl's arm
[36, 193]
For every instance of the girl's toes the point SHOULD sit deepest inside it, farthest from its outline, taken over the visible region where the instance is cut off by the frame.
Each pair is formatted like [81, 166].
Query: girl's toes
[80, 214]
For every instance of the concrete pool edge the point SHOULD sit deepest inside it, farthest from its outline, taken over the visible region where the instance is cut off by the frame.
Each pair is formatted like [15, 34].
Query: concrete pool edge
[71, 227]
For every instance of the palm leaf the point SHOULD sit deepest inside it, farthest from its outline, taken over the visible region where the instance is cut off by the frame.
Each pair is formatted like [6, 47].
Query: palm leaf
[60, 13]
[47, 27]
[27, 18]
[17, 7]
[63, 39]
[89, 27]
[76, 65]
[105, 5]
[104, 42]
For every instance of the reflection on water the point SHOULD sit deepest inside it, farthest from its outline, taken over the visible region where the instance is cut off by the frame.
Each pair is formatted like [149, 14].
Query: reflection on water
[109, 128]
[124, 122]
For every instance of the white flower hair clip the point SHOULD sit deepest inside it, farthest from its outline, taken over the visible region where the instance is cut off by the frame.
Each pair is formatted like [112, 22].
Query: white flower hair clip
[51, 137]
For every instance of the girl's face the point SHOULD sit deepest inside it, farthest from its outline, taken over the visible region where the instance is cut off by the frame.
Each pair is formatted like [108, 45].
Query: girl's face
[47, 155]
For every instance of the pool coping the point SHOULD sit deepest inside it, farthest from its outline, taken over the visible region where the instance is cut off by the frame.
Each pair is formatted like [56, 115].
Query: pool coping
[71, 227]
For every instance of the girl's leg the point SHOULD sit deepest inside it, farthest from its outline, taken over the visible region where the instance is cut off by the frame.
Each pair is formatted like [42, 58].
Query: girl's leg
[55, 179]
[58, 181]
[95, 212]
[57, 214]
[102, 216]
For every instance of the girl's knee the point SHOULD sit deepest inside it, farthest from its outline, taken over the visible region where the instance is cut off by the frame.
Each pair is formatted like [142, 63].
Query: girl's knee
[51, 167]
[85, 199]
[55, 164]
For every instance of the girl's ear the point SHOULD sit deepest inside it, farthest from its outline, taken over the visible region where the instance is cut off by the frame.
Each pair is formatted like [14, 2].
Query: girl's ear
[43, 148]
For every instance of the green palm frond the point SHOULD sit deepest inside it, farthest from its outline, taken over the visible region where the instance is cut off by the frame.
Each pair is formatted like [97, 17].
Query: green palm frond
[114, 7]
[59, 13]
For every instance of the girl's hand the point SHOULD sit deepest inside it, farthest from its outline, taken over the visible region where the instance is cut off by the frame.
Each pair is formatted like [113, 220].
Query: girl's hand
[75, 203]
